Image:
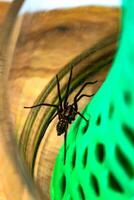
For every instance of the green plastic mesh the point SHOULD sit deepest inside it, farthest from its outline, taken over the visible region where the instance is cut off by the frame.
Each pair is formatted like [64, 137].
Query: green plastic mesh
[100, 156]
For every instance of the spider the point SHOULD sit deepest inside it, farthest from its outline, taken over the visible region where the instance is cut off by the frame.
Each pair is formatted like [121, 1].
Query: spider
[66, 112]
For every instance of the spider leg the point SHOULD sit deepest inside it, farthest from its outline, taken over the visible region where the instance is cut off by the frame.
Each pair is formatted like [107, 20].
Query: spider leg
[59, 94]
[53, 117]
[85, 84]
[68, 85]
[82, 116]
[42, 104]
[83, 95]
[65, 145]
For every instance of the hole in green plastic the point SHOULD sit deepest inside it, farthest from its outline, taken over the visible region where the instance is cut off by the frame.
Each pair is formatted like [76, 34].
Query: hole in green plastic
[85, 156]
[86, 127]
[128, 132]
[111, 110]
[81, 192]
[74, 158]
[127, 97]
[95, 185]
[100, 152]
[124, 162]
[113, 183]
[98, 121]
[63, 184]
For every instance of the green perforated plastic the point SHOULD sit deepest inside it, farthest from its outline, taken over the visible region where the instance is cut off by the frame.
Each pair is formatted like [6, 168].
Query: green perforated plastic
[100, 156]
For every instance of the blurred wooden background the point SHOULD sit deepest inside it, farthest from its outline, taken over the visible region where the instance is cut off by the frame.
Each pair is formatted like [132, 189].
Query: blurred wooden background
[47, 41]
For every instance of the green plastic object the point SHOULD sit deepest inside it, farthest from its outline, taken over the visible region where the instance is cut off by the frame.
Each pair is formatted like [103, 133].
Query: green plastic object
[100, 156]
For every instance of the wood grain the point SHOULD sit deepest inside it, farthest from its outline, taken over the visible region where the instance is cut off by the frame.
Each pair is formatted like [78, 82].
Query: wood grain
[3, 8]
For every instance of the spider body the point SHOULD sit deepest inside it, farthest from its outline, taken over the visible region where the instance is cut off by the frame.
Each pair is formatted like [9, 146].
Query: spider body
[62, 126]
[66, 117]
[66, 112]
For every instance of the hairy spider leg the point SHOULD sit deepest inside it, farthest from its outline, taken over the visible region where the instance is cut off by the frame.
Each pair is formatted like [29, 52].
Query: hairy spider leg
[53, 117]
[85, 84]
[68, 86]
[82, 116]
[84, 95]
[65, 145]
[59, 94]
[77, 97]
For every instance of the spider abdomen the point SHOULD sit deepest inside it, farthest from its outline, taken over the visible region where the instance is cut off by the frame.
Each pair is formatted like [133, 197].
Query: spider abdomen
[70, 114]
[62, 126]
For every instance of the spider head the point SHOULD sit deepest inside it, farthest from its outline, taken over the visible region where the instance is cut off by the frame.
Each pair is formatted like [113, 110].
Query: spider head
[62, 126]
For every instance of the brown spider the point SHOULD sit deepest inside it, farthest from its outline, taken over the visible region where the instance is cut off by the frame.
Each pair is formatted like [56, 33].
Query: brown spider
[66, 112]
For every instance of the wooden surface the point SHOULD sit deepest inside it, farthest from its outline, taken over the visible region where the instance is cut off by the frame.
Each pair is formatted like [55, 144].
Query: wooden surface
[47, 41]
[15, 182]
[3, 8]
